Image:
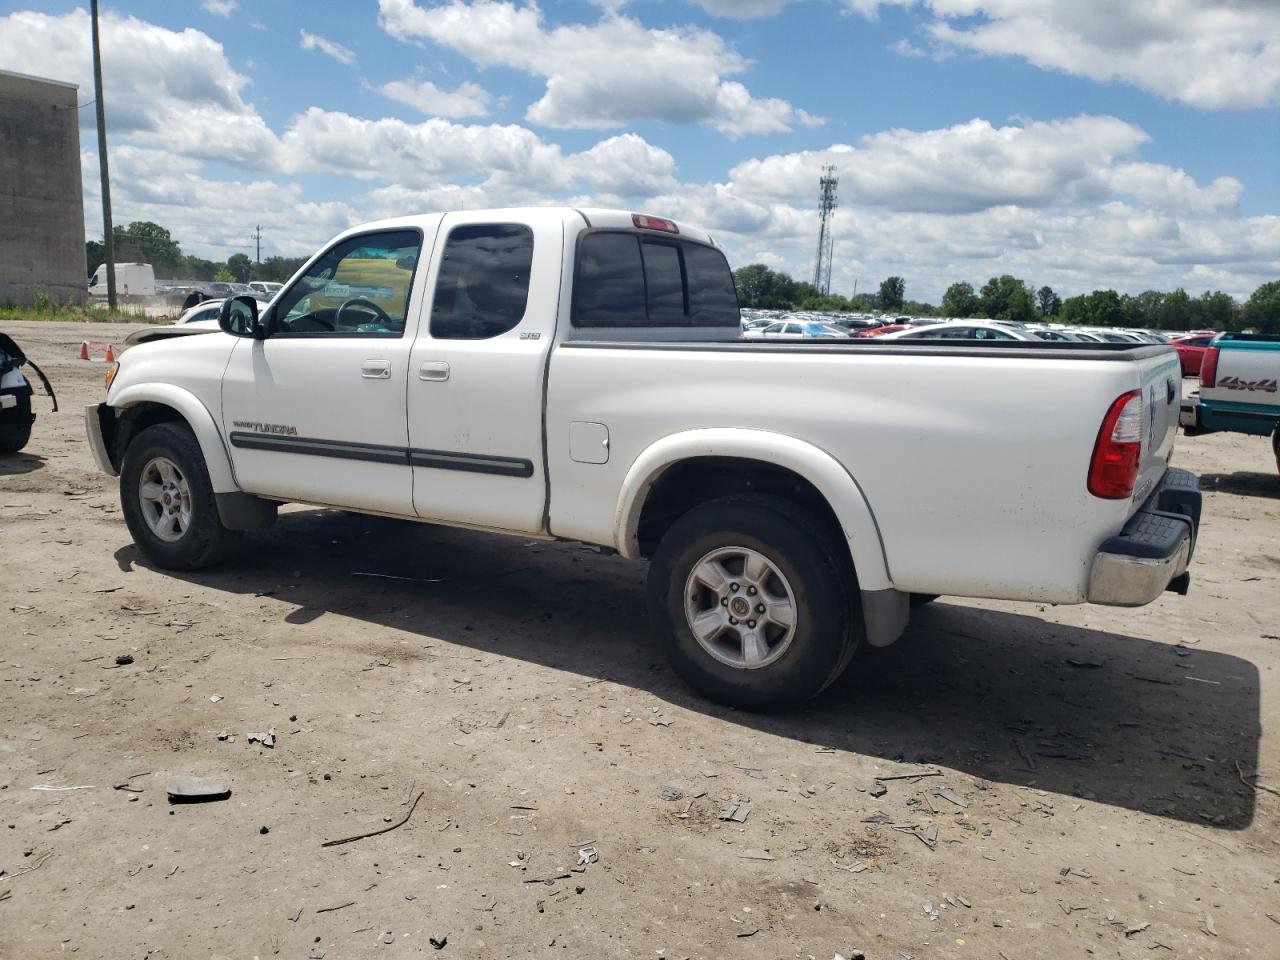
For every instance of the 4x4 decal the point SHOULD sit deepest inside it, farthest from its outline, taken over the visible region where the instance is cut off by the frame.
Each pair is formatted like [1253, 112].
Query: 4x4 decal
[1235, 383]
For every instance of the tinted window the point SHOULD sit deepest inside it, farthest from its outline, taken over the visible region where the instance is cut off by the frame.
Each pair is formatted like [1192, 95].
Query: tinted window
[359, 287]
[664, 283]
[610, 283]
[483, 287]
[623, 281]
[713, 299]
[774, 328]
[1198, 341]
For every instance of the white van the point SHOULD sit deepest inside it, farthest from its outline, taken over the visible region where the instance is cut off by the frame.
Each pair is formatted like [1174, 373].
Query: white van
[133, 280]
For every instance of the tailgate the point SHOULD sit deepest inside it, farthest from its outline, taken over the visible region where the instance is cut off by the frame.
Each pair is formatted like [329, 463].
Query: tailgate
[1161, 400]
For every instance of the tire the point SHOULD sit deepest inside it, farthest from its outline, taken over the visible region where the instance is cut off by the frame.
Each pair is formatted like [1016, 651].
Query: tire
[194, 537]
[14, 437]
[805, 568]
[1275, 445]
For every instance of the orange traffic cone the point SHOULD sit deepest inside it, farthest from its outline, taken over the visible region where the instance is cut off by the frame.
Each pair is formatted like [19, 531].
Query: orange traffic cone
[84, 349]
[111, 355]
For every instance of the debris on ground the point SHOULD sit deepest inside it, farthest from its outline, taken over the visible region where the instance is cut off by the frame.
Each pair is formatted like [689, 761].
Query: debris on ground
[672, 794]
[878, 790]
[587, 855]
[950, 795]
[735, 812]
[124, 659]
[336, 906]
[374, 833]
[267, 738]
[197, 789]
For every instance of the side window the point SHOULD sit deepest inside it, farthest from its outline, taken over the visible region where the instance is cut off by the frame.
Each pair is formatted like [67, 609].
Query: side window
[483, 288]
[609, 291]
[774, 328]
[359, 287]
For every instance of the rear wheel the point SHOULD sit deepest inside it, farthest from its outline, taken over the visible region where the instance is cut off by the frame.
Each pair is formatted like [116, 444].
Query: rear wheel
[751, 602]
[168, 501]
[1275, 445]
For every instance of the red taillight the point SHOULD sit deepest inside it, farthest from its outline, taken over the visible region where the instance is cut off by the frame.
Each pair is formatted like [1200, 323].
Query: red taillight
[643, 222]
[1209, 368]
[1117, 455]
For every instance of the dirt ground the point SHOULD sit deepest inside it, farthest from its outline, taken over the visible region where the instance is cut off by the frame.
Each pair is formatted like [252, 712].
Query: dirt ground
[1086, 787]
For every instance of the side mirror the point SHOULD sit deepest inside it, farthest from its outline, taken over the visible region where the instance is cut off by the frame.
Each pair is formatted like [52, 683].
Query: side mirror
[238, 316]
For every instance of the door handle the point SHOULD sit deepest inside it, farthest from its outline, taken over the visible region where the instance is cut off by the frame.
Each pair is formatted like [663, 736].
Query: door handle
[435, 370]
[376, 370]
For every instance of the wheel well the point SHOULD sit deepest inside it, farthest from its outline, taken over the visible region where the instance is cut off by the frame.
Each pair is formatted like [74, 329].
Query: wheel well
[684, 485]
[133, 420]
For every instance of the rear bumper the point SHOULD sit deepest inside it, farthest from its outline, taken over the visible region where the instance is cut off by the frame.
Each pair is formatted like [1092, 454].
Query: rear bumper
[1151, 554]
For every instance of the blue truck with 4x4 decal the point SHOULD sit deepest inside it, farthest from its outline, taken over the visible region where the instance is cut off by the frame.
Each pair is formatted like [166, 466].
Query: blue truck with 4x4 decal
[1238, 388]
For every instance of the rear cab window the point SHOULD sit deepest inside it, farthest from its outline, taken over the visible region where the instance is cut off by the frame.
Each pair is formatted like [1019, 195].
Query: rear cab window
[626, 279]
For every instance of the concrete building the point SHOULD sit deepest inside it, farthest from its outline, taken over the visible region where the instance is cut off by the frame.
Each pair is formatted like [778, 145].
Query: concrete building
[41, 197]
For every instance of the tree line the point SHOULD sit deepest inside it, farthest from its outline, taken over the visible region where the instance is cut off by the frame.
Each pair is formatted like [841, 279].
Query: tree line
[145, 242]
[1008, 298]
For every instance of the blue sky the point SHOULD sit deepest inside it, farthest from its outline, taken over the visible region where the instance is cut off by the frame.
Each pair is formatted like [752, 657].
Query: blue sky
[1079, 143]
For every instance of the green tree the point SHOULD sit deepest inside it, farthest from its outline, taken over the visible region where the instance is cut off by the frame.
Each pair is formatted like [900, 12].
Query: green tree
[223, 275]
[1106, 309]
[766, 289]
[1176, 312]
[280, 269]
[1218, 311]
[1145, 310]
[960, 301]
[145, 242]
[239, 266]
[1262, 309]
[892, 293]
[1050, 303]
[1007, 298]
[94, 254]
[1075, 310]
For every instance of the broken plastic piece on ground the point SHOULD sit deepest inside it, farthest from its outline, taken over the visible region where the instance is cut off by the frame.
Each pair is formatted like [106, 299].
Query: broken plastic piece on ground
[197, 789]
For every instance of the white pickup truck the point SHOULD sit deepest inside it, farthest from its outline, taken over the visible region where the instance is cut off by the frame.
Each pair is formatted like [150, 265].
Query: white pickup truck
[580, 375]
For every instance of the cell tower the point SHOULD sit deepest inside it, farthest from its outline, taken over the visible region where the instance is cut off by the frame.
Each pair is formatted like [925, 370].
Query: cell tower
[826, 237]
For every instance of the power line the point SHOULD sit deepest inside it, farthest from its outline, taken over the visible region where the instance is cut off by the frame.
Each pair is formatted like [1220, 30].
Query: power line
[826, 237]
[257, 236]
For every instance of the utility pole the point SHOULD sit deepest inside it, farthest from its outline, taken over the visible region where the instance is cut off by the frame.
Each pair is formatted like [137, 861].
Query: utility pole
[257, 236]
[108, 240]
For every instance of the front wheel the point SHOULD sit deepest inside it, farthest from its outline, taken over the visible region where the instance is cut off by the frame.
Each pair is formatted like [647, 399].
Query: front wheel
[168, 501]
[750, 598]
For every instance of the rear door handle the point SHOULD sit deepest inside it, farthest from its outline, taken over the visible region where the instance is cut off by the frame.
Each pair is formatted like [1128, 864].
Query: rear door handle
[435, 370]
[376, 370]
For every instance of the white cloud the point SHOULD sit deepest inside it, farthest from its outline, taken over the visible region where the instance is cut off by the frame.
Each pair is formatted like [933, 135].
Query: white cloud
[974, 166]
[742, 9]
[220, 8]
[1210, 54]
[627, 166]
[602, 75]
[468, 100]
[311, 41]
[166, 86]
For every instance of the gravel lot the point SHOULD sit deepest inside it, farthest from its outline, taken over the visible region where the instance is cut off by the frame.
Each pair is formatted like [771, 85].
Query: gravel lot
[1088, 796]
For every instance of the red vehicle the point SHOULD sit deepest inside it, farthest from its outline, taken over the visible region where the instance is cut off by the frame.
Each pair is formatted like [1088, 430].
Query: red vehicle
[1191, 352]
[880, 331]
